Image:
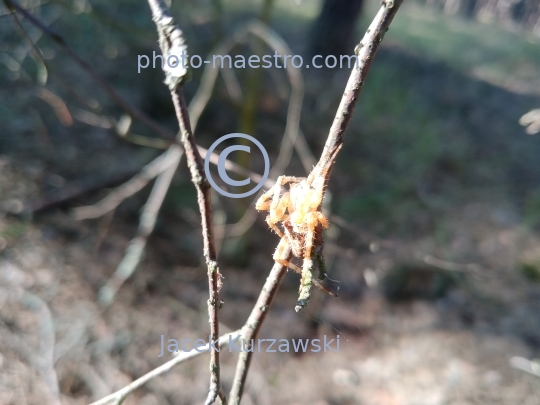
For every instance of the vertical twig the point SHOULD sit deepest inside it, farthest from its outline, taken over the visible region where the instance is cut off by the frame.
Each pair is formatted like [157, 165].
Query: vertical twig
[170, 41]
[253, 325]
[147, 222]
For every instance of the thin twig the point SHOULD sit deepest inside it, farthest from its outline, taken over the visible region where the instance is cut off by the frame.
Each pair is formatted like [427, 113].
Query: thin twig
[170, 40]
[199, 102]
[366, 51]
[133, 111]
[155, 167]
[135, 250]
[147, 173]
[164, 166]
[136, 183]
[275, 42]
[253, 325]
[448, 265]
[119, 396]
[34, 48]
[58, 105]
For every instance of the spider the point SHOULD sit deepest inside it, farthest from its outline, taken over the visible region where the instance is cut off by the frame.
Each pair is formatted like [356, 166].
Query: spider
[298, 210]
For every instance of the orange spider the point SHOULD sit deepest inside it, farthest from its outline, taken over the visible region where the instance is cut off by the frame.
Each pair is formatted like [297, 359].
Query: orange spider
[299, 212]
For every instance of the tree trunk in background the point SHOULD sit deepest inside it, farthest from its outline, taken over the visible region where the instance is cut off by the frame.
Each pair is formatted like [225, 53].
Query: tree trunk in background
[332, 31]
[523, 12]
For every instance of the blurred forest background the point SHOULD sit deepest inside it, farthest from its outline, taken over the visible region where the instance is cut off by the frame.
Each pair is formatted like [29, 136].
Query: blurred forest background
[434, 204]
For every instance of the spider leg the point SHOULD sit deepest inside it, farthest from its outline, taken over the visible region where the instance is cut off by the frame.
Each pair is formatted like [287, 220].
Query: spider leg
[278, 259]
[278, 256]
[281, 202]
[312, 222]
[276, 203]
[274, 227]
[263, 203]
[322, 219]
[321, 264]
[323, 288]
[297, 269]
[307, 268]
[289, 265]
[315, 282]
[289, 179]
[322, 273]
[281, 207]
[278, 189]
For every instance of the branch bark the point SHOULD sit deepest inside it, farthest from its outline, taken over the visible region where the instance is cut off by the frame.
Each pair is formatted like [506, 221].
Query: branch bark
[366, 51]
[170, 40]
[253, 325]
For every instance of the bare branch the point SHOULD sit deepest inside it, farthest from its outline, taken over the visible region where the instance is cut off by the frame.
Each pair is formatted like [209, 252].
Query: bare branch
[366, 51]
[253, 325]
[157, 167]
[136, 183]
[170, 40]
[119, 396]
[292, 135]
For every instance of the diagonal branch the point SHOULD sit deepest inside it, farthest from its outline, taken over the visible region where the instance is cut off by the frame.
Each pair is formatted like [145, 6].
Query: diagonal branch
[253, 325]
[366, 51]
[170, 41]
